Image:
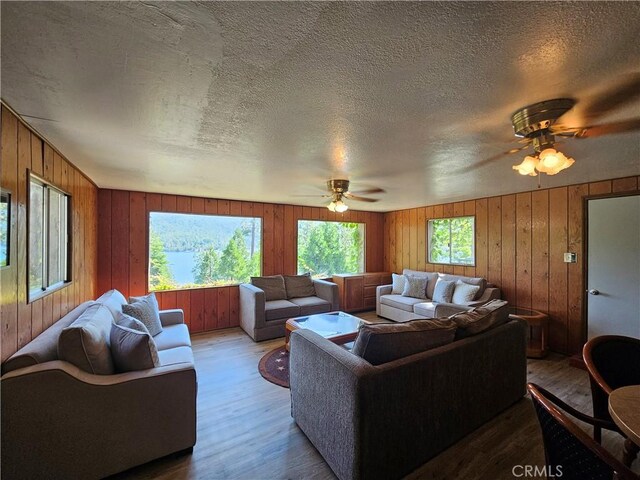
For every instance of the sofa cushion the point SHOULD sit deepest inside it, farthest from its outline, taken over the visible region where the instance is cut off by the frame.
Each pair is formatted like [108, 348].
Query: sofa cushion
[146, 310]
[385, 342]
[479, 319]
[273, 287]
[113, 300]
[398, 301]
[425, 309]
[464, 292]
[132, 350]
[85, 343]
[43, 348]
[298, 286]
[432, 276]
[133, 323]
[312, 305]
[481, 282]
[172, 356]
[276, 309]
[173, 336]
[398, 283]
[443, 291]
[415, 287]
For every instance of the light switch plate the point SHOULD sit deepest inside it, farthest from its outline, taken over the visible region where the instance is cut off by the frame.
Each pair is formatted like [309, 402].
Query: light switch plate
[570, 257]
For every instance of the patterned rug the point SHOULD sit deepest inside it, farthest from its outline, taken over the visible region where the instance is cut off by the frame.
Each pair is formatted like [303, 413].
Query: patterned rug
[274, 367]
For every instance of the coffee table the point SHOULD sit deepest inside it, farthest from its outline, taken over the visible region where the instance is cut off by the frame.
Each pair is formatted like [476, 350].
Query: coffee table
[337, 327]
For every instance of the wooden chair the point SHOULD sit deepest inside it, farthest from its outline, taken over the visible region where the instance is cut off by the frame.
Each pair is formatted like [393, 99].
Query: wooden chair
[568, 450]
[613, 361]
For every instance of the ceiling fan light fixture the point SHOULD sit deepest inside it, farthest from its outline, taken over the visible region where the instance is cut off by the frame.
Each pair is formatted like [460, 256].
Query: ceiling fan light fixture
[528, 166]
[341, 207]
[551, 161]
[332, 206]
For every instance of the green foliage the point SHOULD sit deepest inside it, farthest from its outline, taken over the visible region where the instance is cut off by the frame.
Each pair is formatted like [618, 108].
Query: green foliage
[235, 264]
[205, 271]
[325, 248]
[451, 241]
[4, 230]
[160, 277]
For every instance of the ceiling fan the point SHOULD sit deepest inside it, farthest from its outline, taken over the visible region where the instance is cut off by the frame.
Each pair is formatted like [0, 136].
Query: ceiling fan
[339, 190]
[538, 124]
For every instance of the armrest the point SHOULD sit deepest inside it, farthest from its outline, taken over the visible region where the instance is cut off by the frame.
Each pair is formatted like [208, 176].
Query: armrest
[447, 309]
[328, 291]
[252, 307]
[174, 316]
[490, 293]
[382, 290]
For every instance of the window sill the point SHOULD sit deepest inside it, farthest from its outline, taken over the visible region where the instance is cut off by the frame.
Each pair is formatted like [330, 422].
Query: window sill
[188, 289]
[52, 289]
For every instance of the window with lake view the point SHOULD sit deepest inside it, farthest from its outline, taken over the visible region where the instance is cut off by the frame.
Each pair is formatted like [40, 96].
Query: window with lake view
[452, 241]
[192, 250]
[327, 248]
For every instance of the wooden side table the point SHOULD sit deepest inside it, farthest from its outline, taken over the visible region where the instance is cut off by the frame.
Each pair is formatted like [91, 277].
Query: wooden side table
[538, 330]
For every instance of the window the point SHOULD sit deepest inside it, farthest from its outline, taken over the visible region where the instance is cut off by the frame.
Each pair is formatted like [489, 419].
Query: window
[452, 240]
[48, 237]
[325, 248]
[191, 250]
[5, 228]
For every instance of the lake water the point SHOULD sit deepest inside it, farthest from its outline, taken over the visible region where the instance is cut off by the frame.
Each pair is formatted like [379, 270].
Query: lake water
[181, 265]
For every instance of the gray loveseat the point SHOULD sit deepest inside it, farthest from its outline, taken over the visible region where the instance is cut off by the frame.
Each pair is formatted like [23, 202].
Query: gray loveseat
[382, 422]
[59, 421]
[264, 320]
[402, 309]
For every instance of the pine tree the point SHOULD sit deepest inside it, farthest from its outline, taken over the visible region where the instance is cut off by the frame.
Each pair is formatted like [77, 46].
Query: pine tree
[205, 271]
[235, 264]
[160, 277]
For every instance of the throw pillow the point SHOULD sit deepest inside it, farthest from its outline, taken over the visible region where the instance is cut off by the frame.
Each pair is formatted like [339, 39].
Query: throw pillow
[492, 314]
[415, 287]
[132, 350]
[128, 321]
[146, 310]
[299, 286]
[272, 286]
[464, 292]
[385, 342]
[399, 282]
[85, 343]
[443, 291]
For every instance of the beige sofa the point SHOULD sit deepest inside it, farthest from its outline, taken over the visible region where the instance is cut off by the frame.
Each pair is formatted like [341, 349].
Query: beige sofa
[403, 309]
[264, 320]
[59, 421]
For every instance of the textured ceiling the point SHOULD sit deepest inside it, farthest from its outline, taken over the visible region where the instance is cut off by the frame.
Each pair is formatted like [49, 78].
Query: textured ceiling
[265, 101]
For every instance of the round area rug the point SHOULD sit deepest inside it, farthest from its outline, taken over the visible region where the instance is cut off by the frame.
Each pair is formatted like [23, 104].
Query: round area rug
[274, 366]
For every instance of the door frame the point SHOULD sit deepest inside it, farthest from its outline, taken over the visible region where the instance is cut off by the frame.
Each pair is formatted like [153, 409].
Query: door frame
[585, 250]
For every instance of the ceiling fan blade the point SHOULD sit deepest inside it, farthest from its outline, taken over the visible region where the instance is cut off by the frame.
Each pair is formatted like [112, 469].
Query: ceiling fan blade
[368, 191]
[314, 196]
[621, 94]
[600, 130]
[494, 158]
[350, 196]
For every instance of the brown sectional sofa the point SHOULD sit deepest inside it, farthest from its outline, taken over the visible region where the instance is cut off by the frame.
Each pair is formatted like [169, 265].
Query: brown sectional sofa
[383, 421]
[59, 421]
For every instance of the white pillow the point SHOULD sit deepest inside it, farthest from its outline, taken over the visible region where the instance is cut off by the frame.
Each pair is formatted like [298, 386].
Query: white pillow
[464, 292]
[443, 291]
[398, 283]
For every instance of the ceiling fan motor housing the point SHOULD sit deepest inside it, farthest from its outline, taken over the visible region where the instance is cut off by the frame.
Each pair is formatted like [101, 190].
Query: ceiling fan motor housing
[533, 121]
[338, 186]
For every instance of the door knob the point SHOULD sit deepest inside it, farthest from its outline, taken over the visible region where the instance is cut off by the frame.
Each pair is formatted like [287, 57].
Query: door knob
[593, 291]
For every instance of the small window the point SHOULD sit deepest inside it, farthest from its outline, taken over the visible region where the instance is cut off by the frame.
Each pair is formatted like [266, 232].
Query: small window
[189, 250]
[48, 237]
[327, 248]
[5, 228]
[452, 241]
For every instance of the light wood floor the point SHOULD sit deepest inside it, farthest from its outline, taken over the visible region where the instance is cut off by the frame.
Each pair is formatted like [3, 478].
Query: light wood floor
[245, 430]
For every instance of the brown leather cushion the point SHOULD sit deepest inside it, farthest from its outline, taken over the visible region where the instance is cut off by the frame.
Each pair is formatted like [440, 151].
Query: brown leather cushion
[385, 342]
[479, 319]
[272, 286]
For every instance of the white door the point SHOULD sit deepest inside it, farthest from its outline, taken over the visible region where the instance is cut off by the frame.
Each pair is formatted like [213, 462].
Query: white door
[613, 277]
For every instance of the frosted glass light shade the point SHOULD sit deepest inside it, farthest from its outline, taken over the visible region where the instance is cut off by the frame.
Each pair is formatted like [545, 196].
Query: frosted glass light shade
[552, 161]
[332, 206]
[527, 167]
[341, 206]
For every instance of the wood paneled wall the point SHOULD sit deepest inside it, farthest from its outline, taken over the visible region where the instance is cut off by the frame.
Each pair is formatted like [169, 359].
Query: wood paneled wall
[123, 247]
[520, 241]
[24, 150]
